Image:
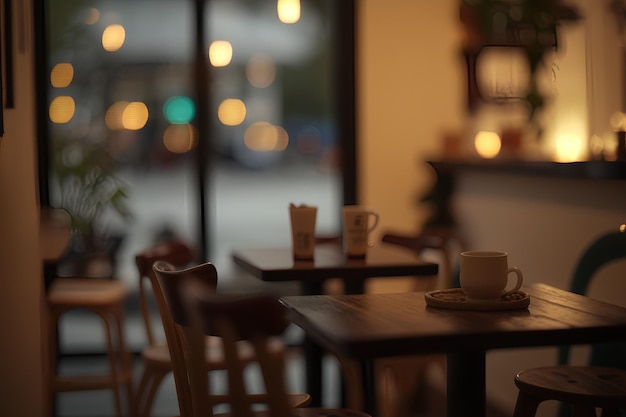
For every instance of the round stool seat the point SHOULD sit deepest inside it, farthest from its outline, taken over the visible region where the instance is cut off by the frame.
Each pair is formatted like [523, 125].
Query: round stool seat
[584, 387]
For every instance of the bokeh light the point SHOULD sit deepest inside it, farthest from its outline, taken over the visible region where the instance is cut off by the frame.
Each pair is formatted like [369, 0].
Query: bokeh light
[568, 148]
[61, 75]
[62, 109]
[288, 11]
[265, 137]
[93, 15]
[179, 110]
[596, 146]
[487, 144]
[231, 112]
[113, 38]
[135, 116]
[180, 138]
[618, 120]
[113, 115]
[261, 71]
[220, 53]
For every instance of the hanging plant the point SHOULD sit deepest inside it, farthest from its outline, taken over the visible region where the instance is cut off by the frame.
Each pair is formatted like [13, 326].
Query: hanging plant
[527, 24]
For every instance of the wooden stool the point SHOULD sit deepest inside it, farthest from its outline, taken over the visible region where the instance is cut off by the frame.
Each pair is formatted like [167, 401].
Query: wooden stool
[584, 387]
[104, 298]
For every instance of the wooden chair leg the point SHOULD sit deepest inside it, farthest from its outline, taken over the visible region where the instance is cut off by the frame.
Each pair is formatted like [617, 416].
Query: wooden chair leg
[526, 405]
[113, 362]
[146, 393]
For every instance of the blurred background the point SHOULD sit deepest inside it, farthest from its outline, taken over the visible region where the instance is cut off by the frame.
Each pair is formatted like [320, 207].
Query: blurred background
[124, 152]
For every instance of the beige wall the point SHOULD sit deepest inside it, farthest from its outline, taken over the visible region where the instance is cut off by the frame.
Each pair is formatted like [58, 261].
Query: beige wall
[21, 292]
[410, 87]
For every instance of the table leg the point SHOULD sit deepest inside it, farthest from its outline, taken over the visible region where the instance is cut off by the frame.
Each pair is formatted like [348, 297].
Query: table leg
[370, 405]
[354, 286]
[466, 395]
[313, 354]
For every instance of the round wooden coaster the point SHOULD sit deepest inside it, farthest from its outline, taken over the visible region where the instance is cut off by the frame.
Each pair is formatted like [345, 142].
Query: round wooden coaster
[454, 298]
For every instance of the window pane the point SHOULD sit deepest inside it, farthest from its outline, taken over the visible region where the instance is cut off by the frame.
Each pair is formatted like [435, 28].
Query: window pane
[123, 120]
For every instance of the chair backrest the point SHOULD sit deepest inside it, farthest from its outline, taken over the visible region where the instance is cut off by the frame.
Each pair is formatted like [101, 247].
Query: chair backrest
[605, 249]
[255, 318]
[176, 253]
[167, 290]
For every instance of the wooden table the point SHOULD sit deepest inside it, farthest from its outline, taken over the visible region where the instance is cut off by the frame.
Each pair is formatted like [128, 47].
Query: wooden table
[383, 260]
[370, 326]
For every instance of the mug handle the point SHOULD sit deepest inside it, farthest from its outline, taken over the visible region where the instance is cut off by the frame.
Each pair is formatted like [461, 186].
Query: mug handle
[520, 279]
[373, 226]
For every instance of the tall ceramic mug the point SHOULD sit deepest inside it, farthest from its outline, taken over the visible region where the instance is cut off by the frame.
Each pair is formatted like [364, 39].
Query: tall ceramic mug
[358, 222]
[485, 275]
[303, 230]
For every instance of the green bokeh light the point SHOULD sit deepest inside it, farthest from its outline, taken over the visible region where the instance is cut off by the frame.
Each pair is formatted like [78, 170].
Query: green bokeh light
[179, 110]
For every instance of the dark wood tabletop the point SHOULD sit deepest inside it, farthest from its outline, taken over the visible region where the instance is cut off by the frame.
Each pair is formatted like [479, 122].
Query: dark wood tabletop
[370, 326]
[382, 260]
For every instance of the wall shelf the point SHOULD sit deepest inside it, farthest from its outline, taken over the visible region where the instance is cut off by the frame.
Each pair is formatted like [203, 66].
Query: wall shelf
[600, 170]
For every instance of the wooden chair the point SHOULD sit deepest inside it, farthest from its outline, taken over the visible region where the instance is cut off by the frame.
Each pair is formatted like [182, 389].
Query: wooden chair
[444, 240]
[255, 318]
[155, 355]
[103, 297]
[184, 344]
[581, 389]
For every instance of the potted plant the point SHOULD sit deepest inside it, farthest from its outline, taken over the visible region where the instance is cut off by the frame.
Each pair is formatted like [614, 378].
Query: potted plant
[87, 187]
[527, 24]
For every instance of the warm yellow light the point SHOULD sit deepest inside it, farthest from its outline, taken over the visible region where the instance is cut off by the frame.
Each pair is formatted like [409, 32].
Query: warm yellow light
[93, 15]
[180, 138]
[135, 116]
[568, 148]
[62, 109]
[231, 112]
[62, 75]
[113, 38]
[487, 144]
[596, 146]
[618, 120]
[282, 139]
[288, 11]
[220, 53]
[265, 137]
[113, 115]
[261, 71]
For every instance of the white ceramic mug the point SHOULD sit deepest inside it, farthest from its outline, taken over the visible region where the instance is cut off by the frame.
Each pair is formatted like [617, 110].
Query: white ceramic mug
[358, 222]
[484, 275]
[303, 230]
